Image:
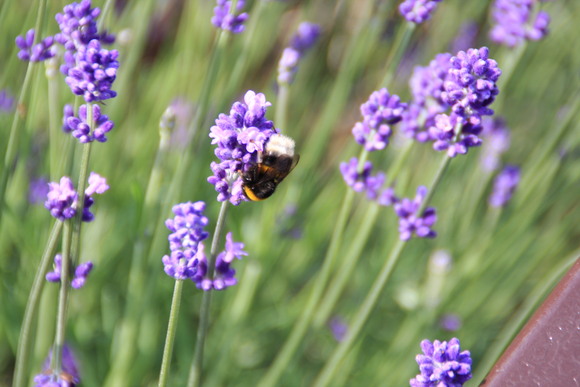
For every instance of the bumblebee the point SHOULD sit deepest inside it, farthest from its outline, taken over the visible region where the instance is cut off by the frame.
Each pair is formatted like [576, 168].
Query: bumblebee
[278, 159]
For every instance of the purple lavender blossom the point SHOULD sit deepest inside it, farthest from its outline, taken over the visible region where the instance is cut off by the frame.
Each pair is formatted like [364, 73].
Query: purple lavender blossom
[418, 11]
[68, 112]
[412, 223]
[68, 376]
[442, 364]
[224, 275]
[305, 37]
[94, 72]
[62, 197]
[78, 26]
[226, 20]
[497, 141]
[380, 112]
[338, 328]
[6, 101]
[239, 137]
[37, 190]
[82, 271]
[450, 322]
[516, 21]
[504, 186]
[364, 181]
[81, 128]
[187, 232]
[34, 52]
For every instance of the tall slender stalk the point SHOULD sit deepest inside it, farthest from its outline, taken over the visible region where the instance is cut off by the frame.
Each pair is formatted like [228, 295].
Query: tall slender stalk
[171, 330]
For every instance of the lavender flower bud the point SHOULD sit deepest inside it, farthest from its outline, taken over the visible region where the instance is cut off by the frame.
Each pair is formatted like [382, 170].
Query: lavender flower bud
[82, 271]
[504, 186]
[305, 37]
[442, 364]
[418, 11]
[363, 181]
[81, 127]
[62, 197]
[78, 26]
[227, 20]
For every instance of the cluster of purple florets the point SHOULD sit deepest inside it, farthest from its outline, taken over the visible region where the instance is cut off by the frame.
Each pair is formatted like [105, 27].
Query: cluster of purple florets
[450, 98]
[188, 260]
[81, 273]
[57, 379]
[418, 11]
[304, 39]
[504, 186]
[442, 364]
[380, 113]
[516, 21]
[62, 198]
[224, 19]
[90, 69]
[239, 137]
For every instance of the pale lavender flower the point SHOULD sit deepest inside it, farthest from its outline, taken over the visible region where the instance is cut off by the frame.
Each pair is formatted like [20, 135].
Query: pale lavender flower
[516, 21]
[418, 11]
[67, 377]
[226, 20]
[504, 186]
[224, 275]
[304, 39]
[412, 223]
[34, 52]
[79, 279]
[6, 101]
[442, 365]
[81, 127]
[239, 137]
[187, 232]
[365, 181]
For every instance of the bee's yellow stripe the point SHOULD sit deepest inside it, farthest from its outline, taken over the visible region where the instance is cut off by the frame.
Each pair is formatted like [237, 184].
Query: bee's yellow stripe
[250, 194]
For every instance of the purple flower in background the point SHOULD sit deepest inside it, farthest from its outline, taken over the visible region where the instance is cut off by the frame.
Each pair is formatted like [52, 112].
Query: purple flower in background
[78, 26]
[67, 377]
[224, 275]
[37, 190]
[81, 128]
[516, 21]
[418, 11]
[82, 271]
[239, 137]
[187, 232]
[380, 112]
[466, 36]
[34, 52]
[94, 72]
[62, 197]
[412, 223]
[226, 20]
[497, 141]
[6, 101]
[504, 186]
[68, 112]
[305, 37]
[364, 181]
[450, 322]
[442, 365]
[338, 328]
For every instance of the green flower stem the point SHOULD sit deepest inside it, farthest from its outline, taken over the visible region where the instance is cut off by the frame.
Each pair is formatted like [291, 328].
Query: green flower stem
[22, 352]
[300, 328]
[401, 160]
[518, 320]
[400, 45]
[171, 329]
[345, 270]
[325, 376]
[56, 364]
[435, 182]
[282, 106]
[197, 364]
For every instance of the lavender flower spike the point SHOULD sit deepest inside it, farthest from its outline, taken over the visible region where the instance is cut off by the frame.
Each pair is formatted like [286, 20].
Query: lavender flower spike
[412, 223]
[67, 377]
[301, 42]
[34, 52]
[239, 137]
[81, 127]
[504, 186]
[226, 20]
[442, 365]
[82, 271]
[418, 11]
[187, 232]
[516, 21]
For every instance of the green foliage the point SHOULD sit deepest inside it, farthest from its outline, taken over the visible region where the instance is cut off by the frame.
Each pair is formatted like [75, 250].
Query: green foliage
[503, 261]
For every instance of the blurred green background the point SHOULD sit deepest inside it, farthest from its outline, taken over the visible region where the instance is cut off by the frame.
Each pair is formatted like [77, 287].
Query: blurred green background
[500, 267]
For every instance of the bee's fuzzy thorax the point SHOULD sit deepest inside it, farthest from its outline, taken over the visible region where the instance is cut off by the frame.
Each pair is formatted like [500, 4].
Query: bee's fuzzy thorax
[280, 145]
